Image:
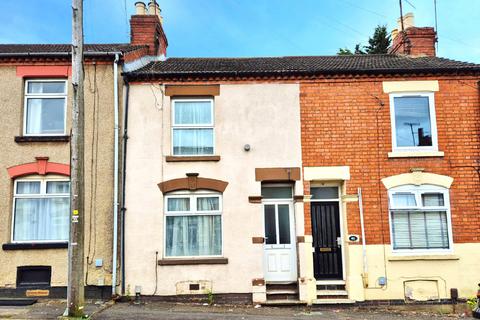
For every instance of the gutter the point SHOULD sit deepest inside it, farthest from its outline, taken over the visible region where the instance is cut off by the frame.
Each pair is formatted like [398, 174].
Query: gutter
[115, 174]
[59, 54]
[124, 178]
[165, 75]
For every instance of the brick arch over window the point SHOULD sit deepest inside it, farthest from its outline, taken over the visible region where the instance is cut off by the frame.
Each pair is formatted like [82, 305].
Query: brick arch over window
[41, 167]
[192, 182]
[417, 178]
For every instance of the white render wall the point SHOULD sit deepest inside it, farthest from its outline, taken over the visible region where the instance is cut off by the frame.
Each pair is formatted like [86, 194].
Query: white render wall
[266, 116]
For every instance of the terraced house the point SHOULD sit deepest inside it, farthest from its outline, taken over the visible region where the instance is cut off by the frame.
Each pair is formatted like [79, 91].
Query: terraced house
[35, 107]
[287, 180]
[338, 179]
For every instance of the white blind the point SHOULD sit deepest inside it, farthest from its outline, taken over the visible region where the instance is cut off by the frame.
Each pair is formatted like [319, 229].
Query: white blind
[420, 230]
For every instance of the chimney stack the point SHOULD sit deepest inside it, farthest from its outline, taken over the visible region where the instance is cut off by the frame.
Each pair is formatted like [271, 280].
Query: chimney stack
[146, 28]
[413, 41]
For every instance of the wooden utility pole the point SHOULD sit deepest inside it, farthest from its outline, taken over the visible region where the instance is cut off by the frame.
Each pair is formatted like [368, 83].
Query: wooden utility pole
[403, 28]
[75, 291]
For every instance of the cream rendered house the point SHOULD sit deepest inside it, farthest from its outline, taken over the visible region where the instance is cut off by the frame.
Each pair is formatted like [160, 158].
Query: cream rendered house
[212, 183]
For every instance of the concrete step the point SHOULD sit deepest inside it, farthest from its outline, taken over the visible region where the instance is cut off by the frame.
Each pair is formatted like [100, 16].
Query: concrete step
[282, 291]
[283, 302]
[333, 301]
[330, 282]
[332, 293]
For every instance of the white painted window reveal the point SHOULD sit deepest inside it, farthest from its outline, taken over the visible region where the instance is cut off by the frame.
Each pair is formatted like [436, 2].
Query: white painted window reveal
[45, 107]
[193, 127]
[193, 224]
[41, 210]
[420, 219]
[413, 122]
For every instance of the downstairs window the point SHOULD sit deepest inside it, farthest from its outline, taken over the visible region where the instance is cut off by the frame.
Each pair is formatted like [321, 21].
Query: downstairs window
[41, 210]
[193, 224]
[420, 218]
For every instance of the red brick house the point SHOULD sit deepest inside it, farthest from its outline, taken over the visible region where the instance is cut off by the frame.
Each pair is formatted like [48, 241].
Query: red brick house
[400, 137]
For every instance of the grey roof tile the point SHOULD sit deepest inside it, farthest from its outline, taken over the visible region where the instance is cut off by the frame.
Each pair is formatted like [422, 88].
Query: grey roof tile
[19, 49]
[300, 65]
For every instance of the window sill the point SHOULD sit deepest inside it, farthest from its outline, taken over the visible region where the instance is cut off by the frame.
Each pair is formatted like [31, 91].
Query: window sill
[35, 245]
[415, 154]
[191, 158]
[23, 139]
[192, 261]
[424, 257]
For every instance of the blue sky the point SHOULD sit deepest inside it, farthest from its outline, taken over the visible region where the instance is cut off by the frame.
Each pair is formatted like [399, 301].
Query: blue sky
[228, 28]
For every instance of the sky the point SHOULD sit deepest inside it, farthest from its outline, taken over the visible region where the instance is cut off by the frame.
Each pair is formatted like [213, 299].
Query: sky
[246, 28]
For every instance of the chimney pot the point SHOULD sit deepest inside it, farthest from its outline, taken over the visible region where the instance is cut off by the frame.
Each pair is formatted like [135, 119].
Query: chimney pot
[408, 21]
[394, 33]
[140, 8]
[413, 41]
[152, 8]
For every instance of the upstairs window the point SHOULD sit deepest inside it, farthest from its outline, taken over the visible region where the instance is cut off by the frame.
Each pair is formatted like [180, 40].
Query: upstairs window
[41, 210]
[45, 107]
[413, 122]
[192, 127]
[420, 218]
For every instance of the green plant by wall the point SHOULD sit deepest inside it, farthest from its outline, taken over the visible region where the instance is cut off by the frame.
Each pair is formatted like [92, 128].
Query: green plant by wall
[128, 293]
[210, 297]
[472, 302]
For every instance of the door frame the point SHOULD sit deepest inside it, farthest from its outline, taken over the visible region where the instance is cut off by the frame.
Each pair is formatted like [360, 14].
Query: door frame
[340, 217]
[293, 237]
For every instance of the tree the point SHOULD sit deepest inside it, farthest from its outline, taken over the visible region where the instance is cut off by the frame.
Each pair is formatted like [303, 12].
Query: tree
[380, 42]
[377, 44]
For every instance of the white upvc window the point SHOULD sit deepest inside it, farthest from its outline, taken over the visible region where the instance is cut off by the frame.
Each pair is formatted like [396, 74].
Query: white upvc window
[45, 107]
[420, 219]
[413, 121]
[193, 224]
[41, 210]
[193, 127]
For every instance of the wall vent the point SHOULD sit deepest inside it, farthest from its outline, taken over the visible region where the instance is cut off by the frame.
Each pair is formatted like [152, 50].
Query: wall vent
[34, 276]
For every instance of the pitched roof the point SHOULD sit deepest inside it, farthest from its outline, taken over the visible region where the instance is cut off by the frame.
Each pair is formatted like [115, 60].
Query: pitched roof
[16, 50]
[299, 66]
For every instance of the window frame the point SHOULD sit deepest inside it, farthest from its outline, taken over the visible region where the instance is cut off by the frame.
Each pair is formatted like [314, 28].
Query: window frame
[174, 126]
[27, 96]
[43, 194]
[433, 122]
[192, 195]
[277, 185]
[418, 191]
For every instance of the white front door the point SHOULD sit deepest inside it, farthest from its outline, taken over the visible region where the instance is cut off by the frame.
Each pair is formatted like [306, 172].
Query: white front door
[280, 260]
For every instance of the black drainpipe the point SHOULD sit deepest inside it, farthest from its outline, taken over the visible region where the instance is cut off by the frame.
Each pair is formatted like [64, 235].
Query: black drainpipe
[124, 171]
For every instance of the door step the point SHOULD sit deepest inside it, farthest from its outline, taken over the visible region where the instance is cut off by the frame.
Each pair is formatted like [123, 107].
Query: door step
[283, 292]
[333, 301]
[330, 282]
[332, 293]
[283, 302]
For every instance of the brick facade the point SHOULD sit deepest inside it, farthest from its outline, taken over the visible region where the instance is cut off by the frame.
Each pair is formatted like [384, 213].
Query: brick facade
[147, 30]
[346, 122]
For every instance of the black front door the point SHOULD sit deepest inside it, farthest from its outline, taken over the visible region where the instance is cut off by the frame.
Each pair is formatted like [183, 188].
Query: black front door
[327, 255]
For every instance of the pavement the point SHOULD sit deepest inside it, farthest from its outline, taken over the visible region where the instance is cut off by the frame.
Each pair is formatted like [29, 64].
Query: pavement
[47, 309]
[100, 310]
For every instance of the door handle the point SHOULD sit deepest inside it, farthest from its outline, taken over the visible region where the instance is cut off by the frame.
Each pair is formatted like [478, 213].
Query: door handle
[339, 242]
